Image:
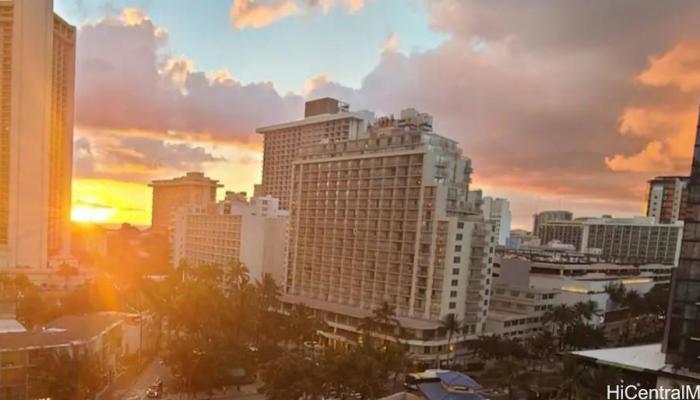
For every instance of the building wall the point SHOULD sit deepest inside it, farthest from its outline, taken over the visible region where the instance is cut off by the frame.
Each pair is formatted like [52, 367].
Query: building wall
[666, 199]
[497, 212]
[282, 143]
[637, 240]
[231, 231]
[168, 195]
[381, 219]
[37, 69]
[549, 216]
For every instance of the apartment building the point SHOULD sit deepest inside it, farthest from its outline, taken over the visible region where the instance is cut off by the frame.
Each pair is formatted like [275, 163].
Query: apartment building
[386, 219]
[549, 216]
[37, 71]
[627, 240]
[667, 197]
[234, 229]
[325, 120]
[497, 212]
[193, 189]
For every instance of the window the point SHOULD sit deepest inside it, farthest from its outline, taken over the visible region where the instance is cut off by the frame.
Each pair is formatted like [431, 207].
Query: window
[455, 282]
[458, 248]
[456, 260]
[453, 293]
[453, 305]
[459, 236]
[455, 271]
[460, 225]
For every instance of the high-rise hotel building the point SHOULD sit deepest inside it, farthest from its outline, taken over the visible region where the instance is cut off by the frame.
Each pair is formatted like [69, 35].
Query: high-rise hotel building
[385, 218]
[666, 198]
[37, 72]
[325, 120]
[682, 337]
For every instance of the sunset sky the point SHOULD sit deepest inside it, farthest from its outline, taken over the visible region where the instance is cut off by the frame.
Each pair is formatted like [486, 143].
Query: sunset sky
[558, 104]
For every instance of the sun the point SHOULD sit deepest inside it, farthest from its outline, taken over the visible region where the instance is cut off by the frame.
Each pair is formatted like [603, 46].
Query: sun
[86, 213]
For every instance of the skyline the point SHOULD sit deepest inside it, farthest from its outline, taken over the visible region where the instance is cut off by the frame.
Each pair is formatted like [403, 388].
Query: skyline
[153, 101]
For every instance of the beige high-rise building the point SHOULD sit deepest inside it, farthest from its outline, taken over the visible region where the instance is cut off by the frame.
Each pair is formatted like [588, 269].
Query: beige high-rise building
[37, 72]
[193, 189]
[386, 219]
[253, 232]
[325, 120]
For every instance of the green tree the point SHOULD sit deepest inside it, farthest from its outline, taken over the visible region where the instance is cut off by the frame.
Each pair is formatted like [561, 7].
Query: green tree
[67, 375]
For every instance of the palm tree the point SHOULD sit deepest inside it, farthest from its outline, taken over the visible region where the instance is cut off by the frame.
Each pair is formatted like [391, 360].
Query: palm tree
[237, 275]
[586, 310]
[451, 325]
[269, 291]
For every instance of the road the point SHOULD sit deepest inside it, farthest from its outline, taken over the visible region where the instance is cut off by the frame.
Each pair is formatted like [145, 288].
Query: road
[137, 389]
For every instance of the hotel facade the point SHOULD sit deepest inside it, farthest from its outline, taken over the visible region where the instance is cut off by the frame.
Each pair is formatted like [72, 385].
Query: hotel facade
[37, 71]
[386, 218]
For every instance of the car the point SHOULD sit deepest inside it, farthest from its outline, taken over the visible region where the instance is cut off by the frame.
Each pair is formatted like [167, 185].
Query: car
[155, 391]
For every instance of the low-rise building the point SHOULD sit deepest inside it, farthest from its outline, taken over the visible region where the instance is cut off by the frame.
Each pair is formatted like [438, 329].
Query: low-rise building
[578, 277]
[517, 311]
[25, 354]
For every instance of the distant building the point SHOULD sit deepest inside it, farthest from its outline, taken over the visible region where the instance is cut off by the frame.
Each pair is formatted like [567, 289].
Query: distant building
[37, 71]
[386, 219]
[519, 238]
[627, 240]
[578, 277]
[497, 212]
[666, 198]
[325, 120]
[549, 216]
[193, 189]
[232, 230]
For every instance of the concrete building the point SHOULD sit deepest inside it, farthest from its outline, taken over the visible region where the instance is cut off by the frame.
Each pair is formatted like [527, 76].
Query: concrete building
[234, 229]
[578, 277]
[549, 216]
[517, 310]
[497, 212]
[37, 71]
[386, 219]
[193, 189]
[521, 238]
[626, 240]
[325, 120]
[23, 354]
[666, 198]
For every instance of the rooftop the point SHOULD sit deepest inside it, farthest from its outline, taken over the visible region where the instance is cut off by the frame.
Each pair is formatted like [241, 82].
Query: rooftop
[645, 358]
[62, 331]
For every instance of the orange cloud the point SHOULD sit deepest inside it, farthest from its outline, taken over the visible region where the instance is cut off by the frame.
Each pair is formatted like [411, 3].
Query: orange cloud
[669, 124]
[251, 14]
[679, 67]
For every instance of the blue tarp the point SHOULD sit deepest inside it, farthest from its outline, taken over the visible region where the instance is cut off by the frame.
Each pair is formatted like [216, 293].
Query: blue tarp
[453, 378]
[436, 391]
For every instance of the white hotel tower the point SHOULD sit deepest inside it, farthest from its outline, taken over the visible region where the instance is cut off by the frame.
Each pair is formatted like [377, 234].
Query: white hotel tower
[385, 218]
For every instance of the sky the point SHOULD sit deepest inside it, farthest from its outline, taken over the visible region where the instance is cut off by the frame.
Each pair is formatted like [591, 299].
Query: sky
[560, 104]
